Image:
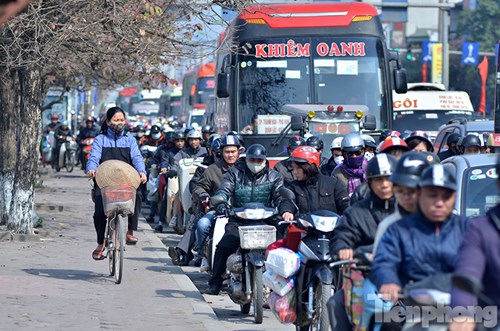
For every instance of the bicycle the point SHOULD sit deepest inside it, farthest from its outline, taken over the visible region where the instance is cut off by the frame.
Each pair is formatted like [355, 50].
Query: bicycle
[119, 202]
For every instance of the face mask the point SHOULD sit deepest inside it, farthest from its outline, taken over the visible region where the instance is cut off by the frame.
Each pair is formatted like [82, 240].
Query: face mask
[369, 156]
[354, 162]
[156, 135]
[140, 134]
[338, 159]
[117, 128]
[256, 167]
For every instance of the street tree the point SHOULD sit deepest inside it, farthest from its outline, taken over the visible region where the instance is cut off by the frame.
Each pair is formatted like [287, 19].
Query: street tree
[481, 24]
[76, 43]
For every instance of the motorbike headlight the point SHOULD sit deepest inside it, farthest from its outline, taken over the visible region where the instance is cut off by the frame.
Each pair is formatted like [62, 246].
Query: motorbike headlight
[89, 142]
[254, 214]
[324, 223]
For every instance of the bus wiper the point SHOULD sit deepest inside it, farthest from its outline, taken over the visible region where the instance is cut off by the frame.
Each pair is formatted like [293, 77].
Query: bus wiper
[282, 135]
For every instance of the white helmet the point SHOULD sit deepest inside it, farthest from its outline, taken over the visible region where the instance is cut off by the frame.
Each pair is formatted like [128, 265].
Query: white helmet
[194, 134]
[336, 142]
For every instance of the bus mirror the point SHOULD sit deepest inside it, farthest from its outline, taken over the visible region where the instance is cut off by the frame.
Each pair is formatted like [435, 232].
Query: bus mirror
[222, 85]
[296, 123]
[369, 122]
[400, 84]
[191, 100]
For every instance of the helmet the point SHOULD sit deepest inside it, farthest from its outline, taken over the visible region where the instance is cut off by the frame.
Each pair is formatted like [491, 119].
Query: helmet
[174, 124]
[207, 129]
[438, 175]
[187, 129]
[452, 138]
[89, 119]
[388, 133]
[178, 135]
[471, 140]
[215, 146]
[194, 134]
[410, 167]
[369, 141]
[239, 136]
[211, 139]
[295, 142]
[169, 135]
[380, 165]
[230, 140]
[315, 142]
[139, 128]
[256, 151]
[305, 154]
[54, 117]
[406, 134]
[422, 136]
[64, 123]
[352, 143]
[155, 129]
[392, 142]
[336, 142]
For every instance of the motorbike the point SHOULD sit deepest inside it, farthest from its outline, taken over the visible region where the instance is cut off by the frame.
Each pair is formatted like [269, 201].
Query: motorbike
[67, 154]
[246, 267]
[86, 147]
[47, 145]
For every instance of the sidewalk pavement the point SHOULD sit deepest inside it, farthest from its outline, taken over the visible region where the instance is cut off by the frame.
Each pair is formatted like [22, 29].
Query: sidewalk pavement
[54, 284]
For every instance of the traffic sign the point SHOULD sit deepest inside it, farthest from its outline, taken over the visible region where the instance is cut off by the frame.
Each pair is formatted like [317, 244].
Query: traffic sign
[394, 14]
[470, 53]
[427, 51]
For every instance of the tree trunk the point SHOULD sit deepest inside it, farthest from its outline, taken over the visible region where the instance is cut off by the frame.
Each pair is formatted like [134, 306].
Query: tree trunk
[20, 97]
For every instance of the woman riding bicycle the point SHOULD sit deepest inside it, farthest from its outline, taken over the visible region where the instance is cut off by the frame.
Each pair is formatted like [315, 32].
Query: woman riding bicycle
[113, 144]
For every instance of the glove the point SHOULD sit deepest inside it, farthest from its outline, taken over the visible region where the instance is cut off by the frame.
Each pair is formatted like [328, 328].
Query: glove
[221, 210]
[171, 173]
[203, 196]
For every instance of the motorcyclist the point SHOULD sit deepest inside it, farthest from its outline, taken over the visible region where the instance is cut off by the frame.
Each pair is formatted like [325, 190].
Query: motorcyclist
[61, 133]
[194, 150]
[422, 244]
[155, 138]
[419, 141]
[470, 144]
[90, 130]
[370, 146]
[54, 123]
[335, 159]
[251, 181]
[452, 142]
[284, 167]
[139, 132]
[313, 191]
[206, 132]
[359, 223]
[351, 171]
[206, 187]
[317, 142]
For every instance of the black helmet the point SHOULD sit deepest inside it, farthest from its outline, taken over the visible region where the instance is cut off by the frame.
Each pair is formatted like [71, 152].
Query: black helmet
[471, 140]
[178, 135]
[295, 142]
[452, 138]
[169, 135]
[139, 128]
[215, 146]
[410, 167]
[380, 165]
[256, 151]
[352, 142]
[315, 142]
[420, 137]
[229, 140]
[440, 176]
[207, 129]
[155, 129]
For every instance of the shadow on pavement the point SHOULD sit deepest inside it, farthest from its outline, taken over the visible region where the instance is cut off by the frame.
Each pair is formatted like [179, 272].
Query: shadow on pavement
[195, 295]
[67, 274]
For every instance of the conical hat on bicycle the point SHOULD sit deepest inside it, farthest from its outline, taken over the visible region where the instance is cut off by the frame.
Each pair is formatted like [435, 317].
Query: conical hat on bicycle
[115, 172]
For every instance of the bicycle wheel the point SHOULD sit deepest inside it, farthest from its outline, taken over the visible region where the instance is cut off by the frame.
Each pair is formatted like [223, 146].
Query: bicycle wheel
[110, 245]
[119, 247]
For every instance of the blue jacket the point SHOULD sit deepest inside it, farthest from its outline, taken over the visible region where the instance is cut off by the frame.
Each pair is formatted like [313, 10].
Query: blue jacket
[415, 248]
[112, 141]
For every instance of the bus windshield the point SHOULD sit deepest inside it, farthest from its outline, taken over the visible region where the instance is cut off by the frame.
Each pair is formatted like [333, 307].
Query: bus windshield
[318, 70]
[205, 89]
[425, 120]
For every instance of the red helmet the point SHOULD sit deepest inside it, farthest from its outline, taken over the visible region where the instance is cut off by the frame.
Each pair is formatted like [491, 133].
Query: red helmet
[391, 142]
[54, 117]
[305, 154]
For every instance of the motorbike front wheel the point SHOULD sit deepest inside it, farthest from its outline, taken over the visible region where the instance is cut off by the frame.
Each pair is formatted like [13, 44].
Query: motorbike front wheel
[258, 294]
[70, 162]
[320, 320]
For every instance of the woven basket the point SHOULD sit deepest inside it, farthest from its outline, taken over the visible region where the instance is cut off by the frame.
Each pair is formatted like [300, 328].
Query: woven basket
[115, 172]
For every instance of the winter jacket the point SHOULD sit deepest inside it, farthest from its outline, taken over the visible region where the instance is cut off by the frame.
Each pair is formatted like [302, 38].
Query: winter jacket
[211, 179]
[122, 147]
[398, 214]
[284, 167]
[242, 186]
[87, 133]
[415, 248]
[200, 170]
[360, 192]
[479, 257]
[327, 168]
[321, 192]
[359, 223]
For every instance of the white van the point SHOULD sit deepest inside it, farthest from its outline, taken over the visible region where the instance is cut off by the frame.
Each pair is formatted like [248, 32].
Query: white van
[195, 118]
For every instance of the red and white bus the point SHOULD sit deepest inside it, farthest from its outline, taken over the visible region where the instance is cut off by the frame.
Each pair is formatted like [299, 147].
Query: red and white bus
[331, 54]
[197, 85]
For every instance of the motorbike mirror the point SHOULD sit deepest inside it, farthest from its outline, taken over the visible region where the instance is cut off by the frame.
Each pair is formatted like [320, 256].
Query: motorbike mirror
[216, 200]
[467, 284]
[287, 193]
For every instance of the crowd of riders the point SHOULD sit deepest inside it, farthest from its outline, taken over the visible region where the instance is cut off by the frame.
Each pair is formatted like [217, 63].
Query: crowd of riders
[394, 198]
